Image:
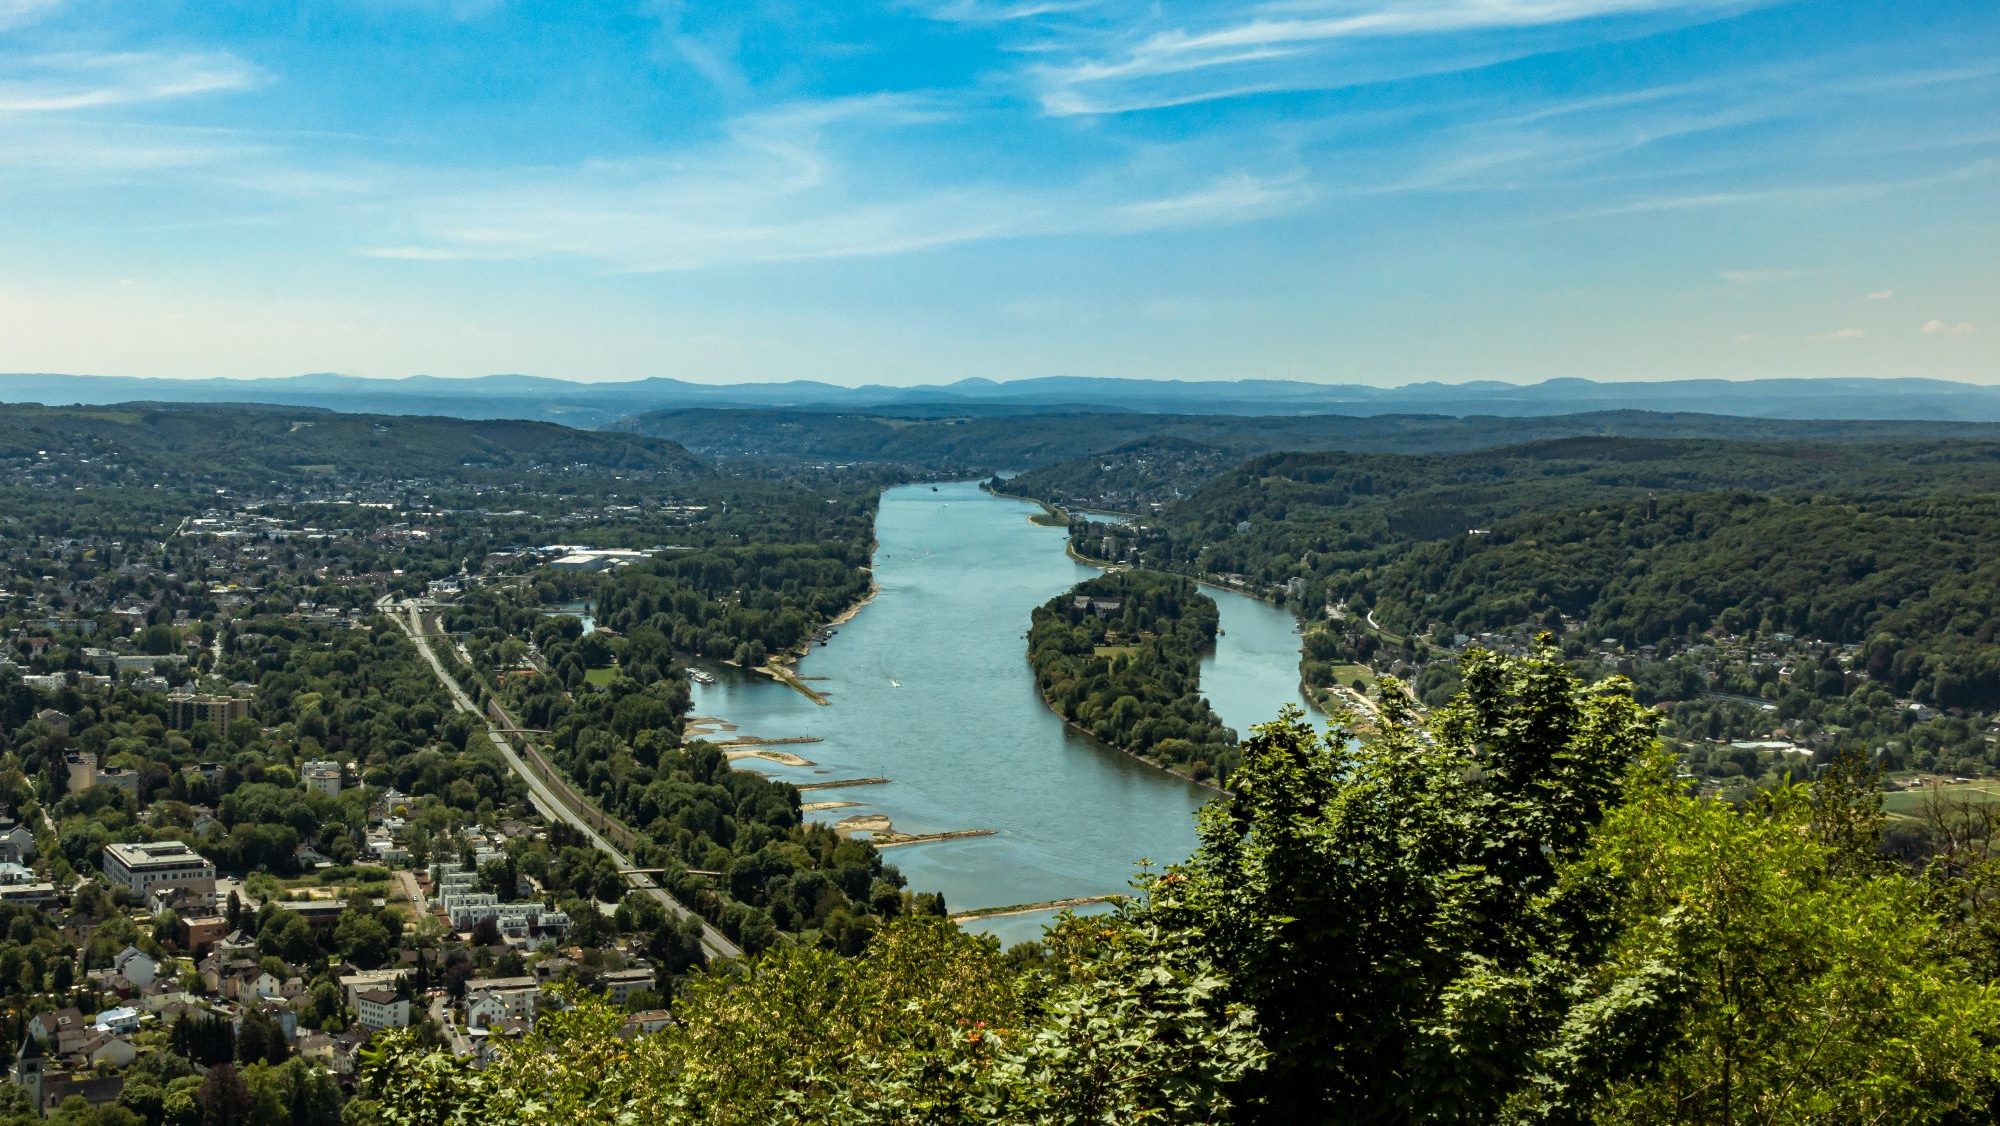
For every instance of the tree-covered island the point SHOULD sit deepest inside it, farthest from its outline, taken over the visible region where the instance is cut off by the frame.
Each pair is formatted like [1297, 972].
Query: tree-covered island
[1120, 657]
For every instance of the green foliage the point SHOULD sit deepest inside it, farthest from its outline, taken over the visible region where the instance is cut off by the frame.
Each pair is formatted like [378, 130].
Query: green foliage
[1120, 657]
[1803, 987]
[927, 1024]
[1506, 912]
[1388, 910]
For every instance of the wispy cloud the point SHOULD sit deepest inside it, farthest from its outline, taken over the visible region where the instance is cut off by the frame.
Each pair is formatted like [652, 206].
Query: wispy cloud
[1222, 52]
[16, 13]
[423, 254]
[1937, 326]
[1763, 276]
[787, 186]
[990, 11]
[1882, 295]
[1840, 336]
[78, 80]
[1796, 193]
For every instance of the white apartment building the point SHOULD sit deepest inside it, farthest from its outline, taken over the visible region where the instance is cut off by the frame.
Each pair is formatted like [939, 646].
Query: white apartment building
[143, 866]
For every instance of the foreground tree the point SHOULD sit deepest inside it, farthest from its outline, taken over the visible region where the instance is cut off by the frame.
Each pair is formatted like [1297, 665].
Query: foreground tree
[1777, 976]
[1509, 911]
[1390, 910]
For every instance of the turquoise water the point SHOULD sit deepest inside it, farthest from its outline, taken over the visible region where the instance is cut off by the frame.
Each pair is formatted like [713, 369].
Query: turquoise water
[929, 687]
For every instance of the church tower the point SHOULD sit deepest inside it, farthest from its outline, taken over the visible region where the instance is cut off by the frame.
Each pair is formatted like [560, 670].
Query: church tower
[28, 1064]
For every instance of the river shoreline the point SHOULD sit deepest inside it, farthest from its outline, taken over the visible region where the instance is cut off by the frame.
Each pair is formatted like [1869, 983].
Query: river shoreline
[1069, 548]
[968, 748]
[1128, 752]
[781, 666]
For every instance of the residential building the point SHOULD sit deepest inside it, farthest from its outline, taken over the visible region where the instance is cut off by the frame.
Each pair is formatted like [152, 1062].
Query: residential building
[497, 999]
[17, 844]
[619, 985]
[141, 867]
[199, 932]
[355, 984]
[123, 1020]
[186, 710]
[646, 1023]
[28, 895]
[322, 776]
[136, 966]
[377, 1009]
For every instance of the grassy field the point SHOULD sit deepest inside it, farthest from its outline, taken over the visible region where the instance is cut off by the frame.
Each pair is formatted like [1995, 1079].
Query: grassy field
[1115, 650]
[1907, 803]
[598, 678]
[1348, 674]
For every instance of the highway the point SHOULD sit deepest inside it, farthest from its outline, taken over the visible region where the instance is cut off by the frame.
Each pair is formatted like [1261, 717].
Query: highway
[713, 942]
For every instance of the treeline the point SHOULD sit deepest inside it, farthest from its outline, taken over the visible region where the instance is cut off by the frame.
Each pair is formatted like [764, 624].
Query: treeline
[1120, 657]
[1509, 911]
[1317, 516]
[202, 446]
[1909, 581]
[743, 602]
[1061, 449]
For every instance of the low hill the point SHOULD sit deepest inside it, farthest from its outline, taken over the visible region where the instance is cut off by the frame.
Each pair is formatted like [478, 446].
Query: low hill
[981, 443]
[149, 443]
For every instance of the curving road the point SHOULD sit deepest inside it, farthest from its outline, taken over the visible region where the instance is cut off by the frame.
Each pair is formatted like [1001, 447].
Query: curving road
[714, 943]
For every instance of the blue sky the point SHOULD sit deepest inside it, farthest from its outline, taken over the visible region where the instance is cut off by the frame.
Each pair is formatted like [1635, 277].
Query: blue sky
[1376, 191]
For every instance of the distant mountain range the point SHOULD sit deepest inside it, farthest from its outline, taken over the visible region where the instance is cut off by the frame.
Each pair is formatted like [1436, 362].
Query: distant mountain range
[601, 404]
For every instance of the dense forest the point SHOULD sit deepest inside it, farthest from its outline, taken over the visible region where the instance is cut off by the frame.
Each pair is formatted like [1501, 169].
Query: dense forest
[1910, 579]
[1069, 447]
[1120, 657]
[144, 445]
[1318, 514]
[1507, 911]
[1708, 571]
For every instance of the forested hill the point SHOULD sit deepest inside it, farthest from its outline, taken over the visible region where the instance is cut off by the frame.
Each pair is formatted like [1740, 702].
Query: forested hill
[1316, 515]
[1071, 445]
[1818, 594]
[1146, 475]
[1120, 657]
[146, 444]
[1910, 581]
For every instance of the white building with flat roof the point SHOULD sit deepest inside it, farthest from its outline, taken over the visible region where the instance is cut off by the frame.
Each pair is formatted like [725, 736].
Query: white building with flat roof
[142, 867]
[322, 775]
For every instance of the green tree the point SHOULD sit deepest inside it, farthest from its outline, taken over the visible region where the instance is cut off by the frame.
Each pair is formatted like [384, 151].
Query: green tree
[1388, 910]
[1800, 987]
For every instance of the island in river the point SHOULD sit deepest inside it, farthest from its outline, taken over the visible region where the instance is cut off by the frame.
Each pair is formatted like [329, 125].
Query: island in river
[929, 689]
[1119, 656]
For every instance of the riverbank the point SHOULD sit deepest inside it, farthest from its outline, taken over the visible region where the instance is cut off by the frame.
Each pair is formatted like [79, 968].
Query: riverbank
[1031, 908]
[928, 691]
[780, 666]
[1164, 768]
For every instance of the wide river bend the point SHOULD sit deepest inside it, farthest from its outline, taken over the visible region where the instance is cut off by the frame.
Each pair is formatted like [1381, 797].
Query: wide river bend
[930, 688]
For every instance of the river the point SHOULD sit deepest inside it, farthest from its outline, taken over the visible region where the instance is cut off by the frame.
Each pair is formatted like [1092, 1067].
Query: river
[930, 688]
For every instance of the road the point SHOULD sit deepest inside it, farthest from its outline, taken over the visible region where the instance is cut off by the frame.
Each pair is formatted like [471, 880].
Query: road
[713, 942]
[415, 894]
[461, 1044]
